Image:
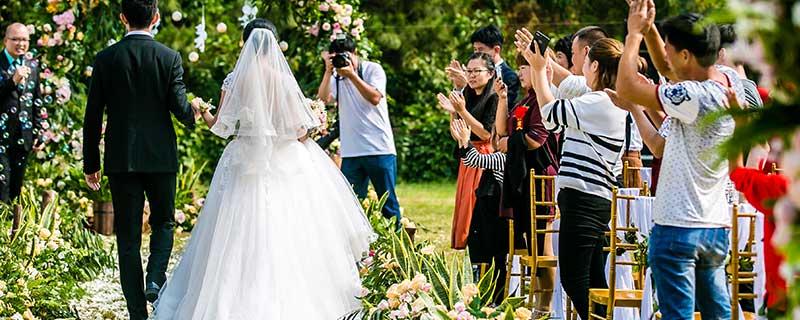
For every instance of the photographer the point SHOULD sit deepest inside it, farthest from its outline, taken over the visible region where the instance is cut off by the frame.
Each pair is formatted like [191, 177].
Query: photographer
[368, 152]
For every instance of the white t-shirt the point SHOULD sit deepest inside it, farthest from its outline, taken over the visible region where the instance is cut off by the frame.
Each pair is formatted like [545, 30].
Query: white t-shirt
[365, 128]
[594, 137]
[691, 187]
[572, 87]
[575, 86]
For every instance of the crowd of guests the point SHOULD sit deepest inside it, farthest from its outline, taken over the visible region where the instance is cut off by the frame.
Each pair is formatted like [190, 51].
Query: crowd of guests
[578, 112]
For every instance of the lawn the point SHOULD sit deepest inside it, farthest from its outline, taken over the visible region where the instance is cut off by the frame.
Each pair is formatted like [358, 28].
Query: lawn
[430, 206]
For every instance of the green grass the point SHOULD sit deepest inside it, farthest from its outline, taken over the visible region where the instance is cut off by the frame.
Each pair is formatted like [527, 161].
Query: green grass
[430, 206]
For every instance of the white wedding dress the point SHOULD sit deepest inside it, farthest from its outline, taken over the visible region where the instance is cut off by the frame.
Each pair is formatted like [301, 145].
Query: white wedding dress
[281, 229]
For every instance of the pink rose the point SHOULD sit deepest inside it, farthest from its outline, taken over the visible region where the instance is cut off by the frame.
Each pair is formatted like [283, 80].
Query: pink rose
[313, 30]
[324, 7]
[337, 26]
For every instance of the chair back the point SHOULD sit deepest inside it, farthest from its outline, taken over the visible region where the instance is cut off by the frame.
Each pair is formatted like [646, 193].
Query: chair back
[748, 252]
[624, 214]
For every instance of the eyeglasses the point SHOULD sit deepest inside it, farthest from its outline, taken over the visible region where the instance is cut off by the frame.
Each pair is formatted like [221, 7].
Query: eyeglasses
[19, 39]
[475, 71]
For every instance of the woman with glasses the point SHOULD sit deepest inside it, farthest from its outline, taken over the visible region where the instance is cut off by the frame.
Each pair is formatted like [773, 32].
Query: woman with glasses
[476, 106]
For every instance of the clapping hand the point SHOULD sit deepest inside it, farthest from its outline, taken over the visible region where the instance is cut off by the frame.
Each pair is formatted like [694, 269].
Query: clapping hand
[445, 103]
[457, 99]
[461, 131]
[455, 72]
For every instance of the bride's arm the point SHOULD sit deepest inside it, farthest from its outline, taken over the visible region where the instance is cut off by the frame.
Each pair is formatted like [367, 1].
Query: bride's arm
[209, 118]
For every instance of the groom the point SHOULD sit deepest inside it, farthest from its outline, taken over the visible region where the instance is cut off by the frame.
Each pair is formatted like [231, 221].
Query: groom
[137, 83]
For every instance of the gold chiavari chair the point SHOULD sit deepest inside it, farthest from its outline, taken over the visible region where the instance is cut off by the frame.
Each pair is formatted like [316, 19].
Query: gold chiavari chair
[613, 297]
[530, 261]
[628, 174]
[737, 276]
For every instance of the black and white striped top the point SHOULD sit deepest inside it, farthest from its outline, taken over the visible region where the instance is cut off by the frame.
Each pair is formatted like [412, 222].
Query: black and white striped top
[594, 138]
[495, 161]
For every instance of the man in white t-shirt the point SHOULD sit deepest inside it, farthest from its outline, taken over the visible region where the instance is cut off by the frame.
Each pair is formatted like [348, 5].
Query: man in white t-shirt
[689, 244]
[367, 141]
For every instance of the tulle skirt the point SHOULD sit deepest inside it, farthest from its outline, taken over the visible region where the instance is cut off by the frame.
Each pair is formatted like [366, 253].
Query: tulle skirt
[278, 238]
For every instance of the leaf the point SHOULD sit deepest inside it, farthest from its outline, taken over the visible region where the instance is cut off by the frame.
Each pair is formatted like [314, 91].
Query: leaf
[486, 285]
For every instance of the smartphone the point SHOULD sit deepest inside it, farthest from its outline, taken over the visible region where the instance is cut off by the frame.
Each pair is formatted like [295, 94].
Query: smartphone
[543, 41]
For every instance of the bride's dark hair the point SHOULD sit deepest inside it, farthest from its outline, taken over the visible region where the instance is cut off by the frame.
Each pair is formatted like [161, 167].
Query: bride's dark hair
[259, 24]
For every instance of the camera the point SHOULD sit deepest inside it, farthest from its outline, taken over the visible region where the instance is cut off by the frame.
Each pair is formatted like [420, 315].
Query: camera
[341, 60]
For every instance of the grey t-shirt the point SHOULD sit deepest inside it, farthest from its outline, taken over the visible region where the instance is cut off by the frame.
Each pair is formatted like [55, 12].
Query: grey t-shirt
[693, 176]
[365, 128]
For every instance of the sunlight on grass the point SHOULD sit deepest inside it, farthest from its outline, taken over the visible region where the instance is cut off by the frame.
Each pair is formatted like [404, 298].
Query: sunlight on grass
[430, 206]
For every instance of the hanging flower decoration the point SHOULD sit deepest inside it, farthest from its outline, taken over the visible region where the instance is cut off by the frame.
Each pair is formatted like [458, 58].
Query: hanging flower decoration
[200, 31]
[249, 12]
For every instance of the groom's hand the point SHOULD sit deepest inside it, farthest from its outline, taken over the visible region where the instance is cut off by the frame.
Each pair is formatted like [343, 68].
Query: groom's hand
[93, 180]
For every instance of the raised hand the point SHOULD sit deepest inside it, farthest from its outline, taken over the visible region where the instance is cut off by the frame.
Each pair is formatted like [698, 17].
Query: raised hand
[445, 103]
[500, 88]
[534, 57]
[455, 72]
[641, 16]
[328, 63]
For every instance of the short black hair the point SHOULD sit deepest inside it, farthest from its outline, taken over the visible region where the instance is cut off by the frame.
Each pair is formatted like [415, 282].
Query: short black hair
[727, 35]
[259, 24]
[346, 44]
[139, 13]
[589, 35]
[688, 31]
[489, 35]
[564, 44]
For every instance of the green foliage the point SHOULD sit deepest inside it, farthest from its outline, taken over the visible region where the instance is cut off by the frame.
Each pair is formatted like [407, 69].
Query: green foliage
[43, 262]
[401, 275]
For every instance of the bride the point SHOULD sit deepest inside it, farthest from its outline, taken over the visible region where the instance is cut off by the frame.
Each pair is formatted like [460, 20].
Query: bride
[281, 229]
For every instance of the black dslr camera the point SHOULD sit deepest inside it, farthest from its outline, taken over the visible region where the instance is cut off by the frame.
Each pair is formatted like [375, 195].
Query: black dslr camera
[341, 60]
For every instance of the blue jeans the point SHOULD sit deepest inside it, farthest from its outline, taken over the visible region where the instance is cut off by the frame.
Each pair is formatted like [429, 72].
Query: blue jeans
[382, 171]
[689, 267]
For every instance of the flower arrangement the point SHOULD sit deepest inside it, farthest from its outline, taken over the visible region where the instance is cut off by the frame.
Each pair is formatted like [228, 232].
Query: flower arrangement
[403, 280]
[767, 43]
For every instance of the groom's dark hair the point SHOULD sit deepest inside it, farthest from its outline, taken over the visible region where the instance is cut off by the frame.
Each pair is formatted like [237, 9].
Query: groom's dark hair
[139, 13]
[259, 24]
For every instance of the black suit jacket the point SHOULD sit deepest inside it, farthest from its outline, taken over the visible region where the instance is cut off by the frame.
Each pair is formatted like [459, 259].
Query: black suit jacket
[511, 80]
[137, 83]
[10, 101]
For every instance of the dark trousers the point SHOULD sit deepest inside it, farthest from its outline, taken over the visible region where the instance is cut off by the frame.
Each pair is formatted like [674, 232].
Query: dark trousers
[488, 238]
[13, 163]
[584, 219]
[382, 171]
[128, 191]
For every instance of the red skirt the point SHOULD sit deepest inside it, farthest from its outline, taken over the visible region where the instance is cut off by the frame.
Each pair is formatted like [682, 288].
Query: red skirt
[468, 179]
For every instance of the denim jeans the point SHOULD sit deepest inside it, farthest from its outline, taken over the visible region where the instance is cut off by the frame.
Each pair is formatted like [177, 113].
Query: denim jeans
[688, 266]
[382, 171]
